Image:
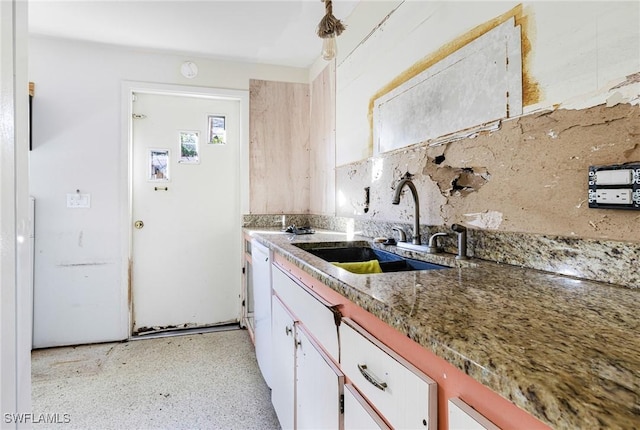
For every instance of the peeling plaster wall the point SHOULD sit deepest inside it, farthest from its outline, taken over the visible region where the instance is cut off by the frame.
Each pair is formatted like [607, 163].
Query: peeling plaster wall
[529, 174]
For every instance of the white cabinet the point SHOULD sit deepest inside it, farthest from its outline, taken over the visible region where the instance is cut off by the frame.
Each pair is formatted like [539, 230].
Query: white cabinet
[319, 384]
[312, 310]
[261, 279]
[405, 396]
[307, 385]
[358, 413]
[307, 382]
[283, 364]
[464, 417]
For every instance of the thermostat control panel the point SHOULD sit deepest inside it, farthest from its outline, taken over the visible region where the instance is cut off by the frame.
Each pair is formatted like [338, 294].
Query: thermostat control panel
[615, 186]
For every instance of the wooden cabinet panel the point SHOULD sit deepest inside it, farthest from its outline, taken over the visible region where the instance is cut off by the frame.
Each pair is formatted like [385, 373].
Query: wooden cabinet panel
[406, 397]
[278, 147]
[323, 143]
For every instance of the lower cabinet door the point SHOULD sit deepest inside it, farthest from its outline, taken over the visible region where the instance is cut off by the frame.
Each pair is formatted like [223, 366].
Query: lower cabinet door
[283, 364]
[358, 414]
[319, 385]
[464, 417]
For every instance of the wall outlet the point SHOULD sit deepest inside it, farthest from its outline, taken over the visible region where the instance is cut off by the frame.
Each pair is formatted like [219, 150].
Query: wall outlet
[614, 196]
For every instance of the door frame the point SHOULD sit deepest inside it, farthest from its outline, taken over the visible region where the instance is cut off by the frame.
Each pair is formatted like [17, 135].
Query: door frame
[126, 166]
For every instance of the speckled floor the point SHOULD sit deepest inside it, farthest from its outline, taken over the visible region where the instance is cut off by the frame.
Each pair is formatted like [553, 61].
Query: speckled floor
[202, 381]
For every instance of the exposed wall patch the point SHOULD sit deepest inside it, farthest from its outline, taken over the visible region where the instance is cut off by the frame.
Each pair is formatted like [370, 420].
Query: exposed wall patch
[490, 220]
[470, 180]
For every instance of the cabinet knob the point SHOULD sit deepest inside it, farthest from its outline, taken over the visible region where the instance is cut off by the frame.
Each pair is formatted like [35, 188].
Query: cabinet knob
[287, 330]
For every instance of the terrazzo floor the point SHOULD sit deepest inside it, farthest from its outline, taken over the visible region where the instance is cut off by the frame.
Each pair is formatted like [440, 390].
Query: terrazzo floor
[201, 381]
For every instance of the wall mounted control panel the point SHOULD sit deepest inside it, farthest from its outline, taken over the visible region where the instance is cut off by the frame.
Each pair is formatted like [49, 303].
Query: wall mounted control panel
[615, 187]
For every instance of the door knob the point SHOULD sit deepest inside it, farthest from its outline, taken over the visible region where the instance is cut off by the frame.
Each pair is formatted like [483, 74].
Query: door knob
[138, 224]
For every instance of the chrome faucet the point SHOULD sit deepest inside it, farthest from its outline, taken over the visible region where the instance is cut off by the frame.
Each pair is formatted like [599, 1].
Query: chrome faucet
[406, 180]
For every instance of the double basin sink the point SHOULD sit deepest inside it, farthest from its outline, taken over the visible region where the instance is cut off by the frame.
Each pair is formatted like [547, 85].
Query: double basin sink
[360, 252]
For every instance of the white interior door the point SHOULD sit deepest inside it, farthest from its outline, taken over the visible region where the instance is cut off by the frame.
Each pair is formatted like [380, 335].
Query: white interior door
[186, 212]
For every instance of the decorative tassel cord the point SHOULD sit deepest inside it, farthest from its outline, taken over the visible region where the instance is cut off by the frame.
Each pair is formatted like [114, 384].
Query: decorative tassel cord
[329, 26]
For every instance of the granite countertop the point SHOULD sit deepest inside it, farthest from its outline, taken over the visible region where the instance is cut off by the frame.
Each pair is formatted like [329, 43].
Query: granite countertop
[563, 349]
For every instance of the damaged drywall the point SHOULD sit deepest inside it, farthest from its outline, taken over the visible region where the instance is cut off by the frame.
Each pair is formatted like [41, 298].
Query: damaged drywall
[528, 175]
[455, 180]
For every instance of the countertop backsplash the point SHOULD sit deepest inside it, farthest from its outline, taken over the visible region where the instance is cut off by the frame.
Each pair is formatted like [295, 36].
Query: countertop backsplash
[612, 262]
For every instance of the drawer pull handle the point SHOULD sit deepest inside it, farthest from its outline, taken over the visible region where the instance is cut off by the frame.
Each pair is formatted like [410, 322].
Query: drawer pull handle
[287, 330]
[369, 377]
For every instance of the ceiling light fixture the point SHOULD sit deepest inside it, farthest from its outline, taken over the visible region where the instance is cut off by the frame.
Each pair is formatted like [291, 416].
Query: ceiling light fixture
[329, 28]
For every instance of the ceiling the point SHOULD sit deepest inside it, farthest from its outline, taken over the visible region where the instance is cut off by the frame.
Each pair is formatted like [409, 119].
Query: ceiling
[259, 31]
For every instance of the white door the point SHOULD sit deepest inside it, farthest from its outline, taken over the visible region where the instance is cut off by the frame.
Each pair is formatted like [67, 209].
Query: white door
[187, 233]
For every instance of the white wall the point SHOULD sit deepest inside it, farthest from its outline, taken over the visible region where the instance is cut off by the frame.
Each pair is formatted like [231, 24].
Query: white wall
[15, 289]
[577, 48]
[77, 146]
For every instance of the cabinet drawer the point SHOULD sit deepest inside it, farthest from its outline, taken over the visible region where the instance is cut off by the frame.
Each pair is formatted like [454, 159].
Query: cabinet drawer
[309, 309]
[405, 396]
[464, 417]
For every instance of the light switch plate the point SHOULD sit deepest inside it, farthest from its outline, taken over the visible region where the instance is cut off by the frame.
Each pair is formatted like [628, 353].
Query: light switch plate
[615, 186]
[78, 201]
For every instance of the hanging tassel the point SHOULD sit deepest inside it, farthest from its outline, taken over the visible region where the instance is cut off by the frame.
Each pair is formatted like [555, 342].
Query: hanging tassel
[329, 26]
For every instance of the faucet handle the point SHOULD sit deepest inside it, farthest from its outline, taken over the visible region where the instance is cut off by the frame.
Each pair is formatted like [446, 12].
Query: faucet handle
[433, 243]
[400, 230]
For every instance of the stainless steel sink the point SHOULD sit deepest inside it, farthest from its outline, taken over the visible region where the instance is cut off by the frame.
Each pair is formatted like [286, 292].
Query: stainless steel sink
[360, 252]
